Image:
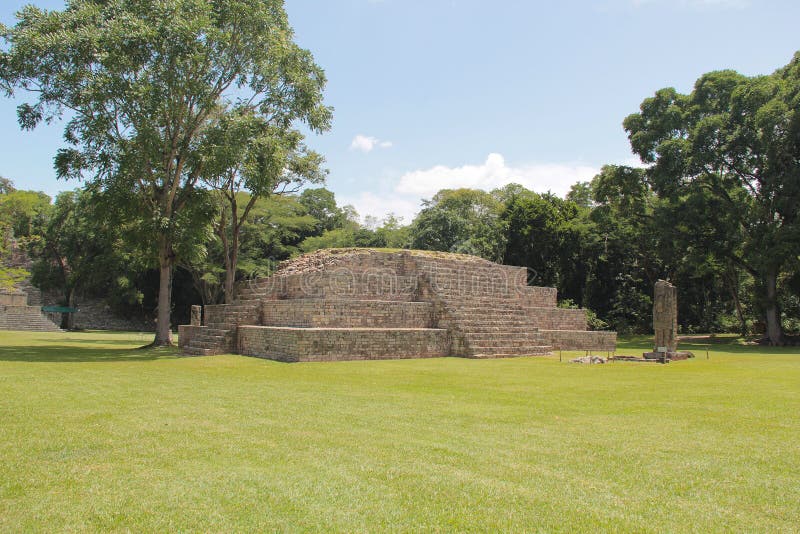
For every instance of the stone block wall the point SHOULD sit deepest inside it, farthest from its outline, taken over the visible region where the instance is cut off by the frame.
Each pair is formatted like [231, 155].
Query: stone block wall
[341, 313]
[8, 298]
[27, 318]
[231, 315]
[341, 284]
[538, 297]
[557, 318]
[311, 344]
[186, 333]
[576, 340]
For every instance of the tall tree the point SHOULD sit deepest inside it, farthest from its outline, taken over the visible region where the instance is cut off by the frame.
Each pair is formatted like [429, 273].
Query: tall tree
[734, 140]
[245, 153]
[143, 82]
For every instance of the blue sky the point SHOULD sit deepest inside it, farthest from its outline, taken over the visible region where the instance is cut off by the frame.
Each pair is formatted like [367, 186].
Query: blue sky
[468, 93]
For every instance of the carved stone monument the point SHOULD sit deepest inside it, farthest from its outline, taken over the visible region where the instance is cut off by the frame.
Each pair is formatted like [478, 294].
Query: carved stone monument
[665, 317]
[197, 316]
[665, 324]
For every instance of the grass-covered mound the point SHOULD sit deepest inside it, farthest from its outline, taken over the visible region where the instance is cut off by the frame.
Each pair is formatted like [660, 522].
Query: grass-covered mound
[99, 436]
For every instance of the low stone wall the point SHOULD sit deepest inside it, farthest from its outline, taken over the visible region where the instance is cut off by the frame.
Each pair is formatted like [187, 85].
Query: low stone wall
[329, 344]
[8, 298]
[94, 314]
[580, 340]
[231, 315]
[339, 284]
[557, 318]
[27, 318]
[308, 313]
[538, 297]
[186, 333]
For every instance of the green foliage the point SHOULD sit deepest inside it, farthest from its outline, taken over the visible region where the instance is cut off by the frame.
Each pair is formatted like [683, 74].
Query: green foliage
[466, 221]
[320, 203]
[149, 85]
[6, 186]
[24, 212]
[11, 276]
[82, 251]
[730, 148]
[593, 322]
[543, 235]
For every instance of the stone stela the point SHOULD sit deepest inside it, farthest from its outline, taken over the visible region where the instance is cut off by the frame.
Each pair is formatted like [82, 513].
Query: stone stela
[665, 317]
[665, 324]
[358, 304]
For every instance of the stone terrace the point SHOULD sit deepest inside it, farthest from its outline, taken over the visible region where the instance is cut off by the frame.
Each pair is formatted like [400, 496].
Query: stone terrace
[16, 314]
[346, 304]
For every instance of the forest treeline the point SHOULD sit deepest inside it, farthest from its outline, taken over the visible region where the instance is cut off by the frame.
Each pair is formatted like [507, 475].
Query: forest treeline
[602, 250]
[196, 171]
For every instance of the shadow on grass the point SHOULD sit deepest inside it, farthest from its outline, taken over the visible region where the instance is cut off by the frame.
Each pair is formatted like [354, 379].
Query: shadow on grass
[73, 354]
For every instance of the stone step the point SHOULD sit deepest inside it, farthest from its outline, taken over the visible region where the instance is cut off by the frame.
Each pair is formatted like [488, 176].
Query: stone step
[486, 344]
[540, 350]
[499, 332]
[495, 321]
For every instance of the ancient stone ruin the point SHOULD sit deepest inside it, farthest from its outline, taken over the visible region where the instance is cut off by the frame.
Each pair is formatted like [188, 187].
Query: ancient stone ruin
[351, 304]
[17, 312]
[665, 324]
[665, 317]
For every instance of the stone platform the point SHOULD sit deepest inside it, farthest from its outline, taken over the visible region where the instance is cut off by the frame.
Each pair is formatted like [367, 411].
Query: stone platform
[346, 304]
[16, 314]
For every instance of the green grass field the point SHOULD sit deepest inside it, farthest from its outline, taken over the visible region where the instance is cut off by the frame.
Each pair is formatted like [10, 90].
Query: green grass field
[97, 436]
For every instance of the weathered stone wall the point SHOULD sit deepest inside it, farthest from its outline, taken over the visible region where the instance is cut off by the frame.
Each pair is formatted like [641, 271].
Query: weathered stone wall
[340, 284]
[557, 318]
[186, 333]
[451, 277]
[575, 340]
[232, 315]
[8, 298]
[538, 297]
[95, 314]
[28, 318]
[309, 344]
[305, 313]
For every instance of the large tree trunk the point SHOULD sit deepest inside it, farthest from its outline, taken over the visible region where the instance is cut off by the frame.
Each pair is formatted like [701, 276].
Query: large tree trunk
[230, 274]
[68, 319]
[166, 266]
[773, 314]
[231, 260]
[732, 281]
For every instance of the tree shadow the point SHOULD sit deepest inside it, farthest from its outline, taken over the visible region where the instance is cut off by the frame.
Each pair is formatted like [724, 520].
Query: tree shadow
[80, 352]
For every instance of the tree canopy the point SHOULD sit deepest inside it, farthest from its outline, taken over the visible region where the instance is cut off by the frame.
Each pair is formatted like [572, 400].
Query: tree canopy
[142, 83]
[732, 148]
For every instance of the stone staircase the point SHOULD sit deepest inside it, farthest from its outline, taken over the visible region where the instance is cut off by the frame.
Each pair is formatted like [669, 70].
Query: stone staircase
[218, 335]
[494, 328]
[27, 318]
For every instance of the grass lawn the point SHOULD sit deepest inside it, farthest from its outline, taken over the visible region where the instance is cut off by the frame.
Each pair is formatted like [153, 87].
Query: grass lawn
[98, 436]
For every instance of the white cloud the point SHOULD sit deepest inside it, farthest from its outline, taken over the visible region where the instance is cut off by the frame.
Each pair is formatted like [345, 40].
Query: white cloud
[403, 196]
[494, 173]
[365, 143]
[367, 203]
